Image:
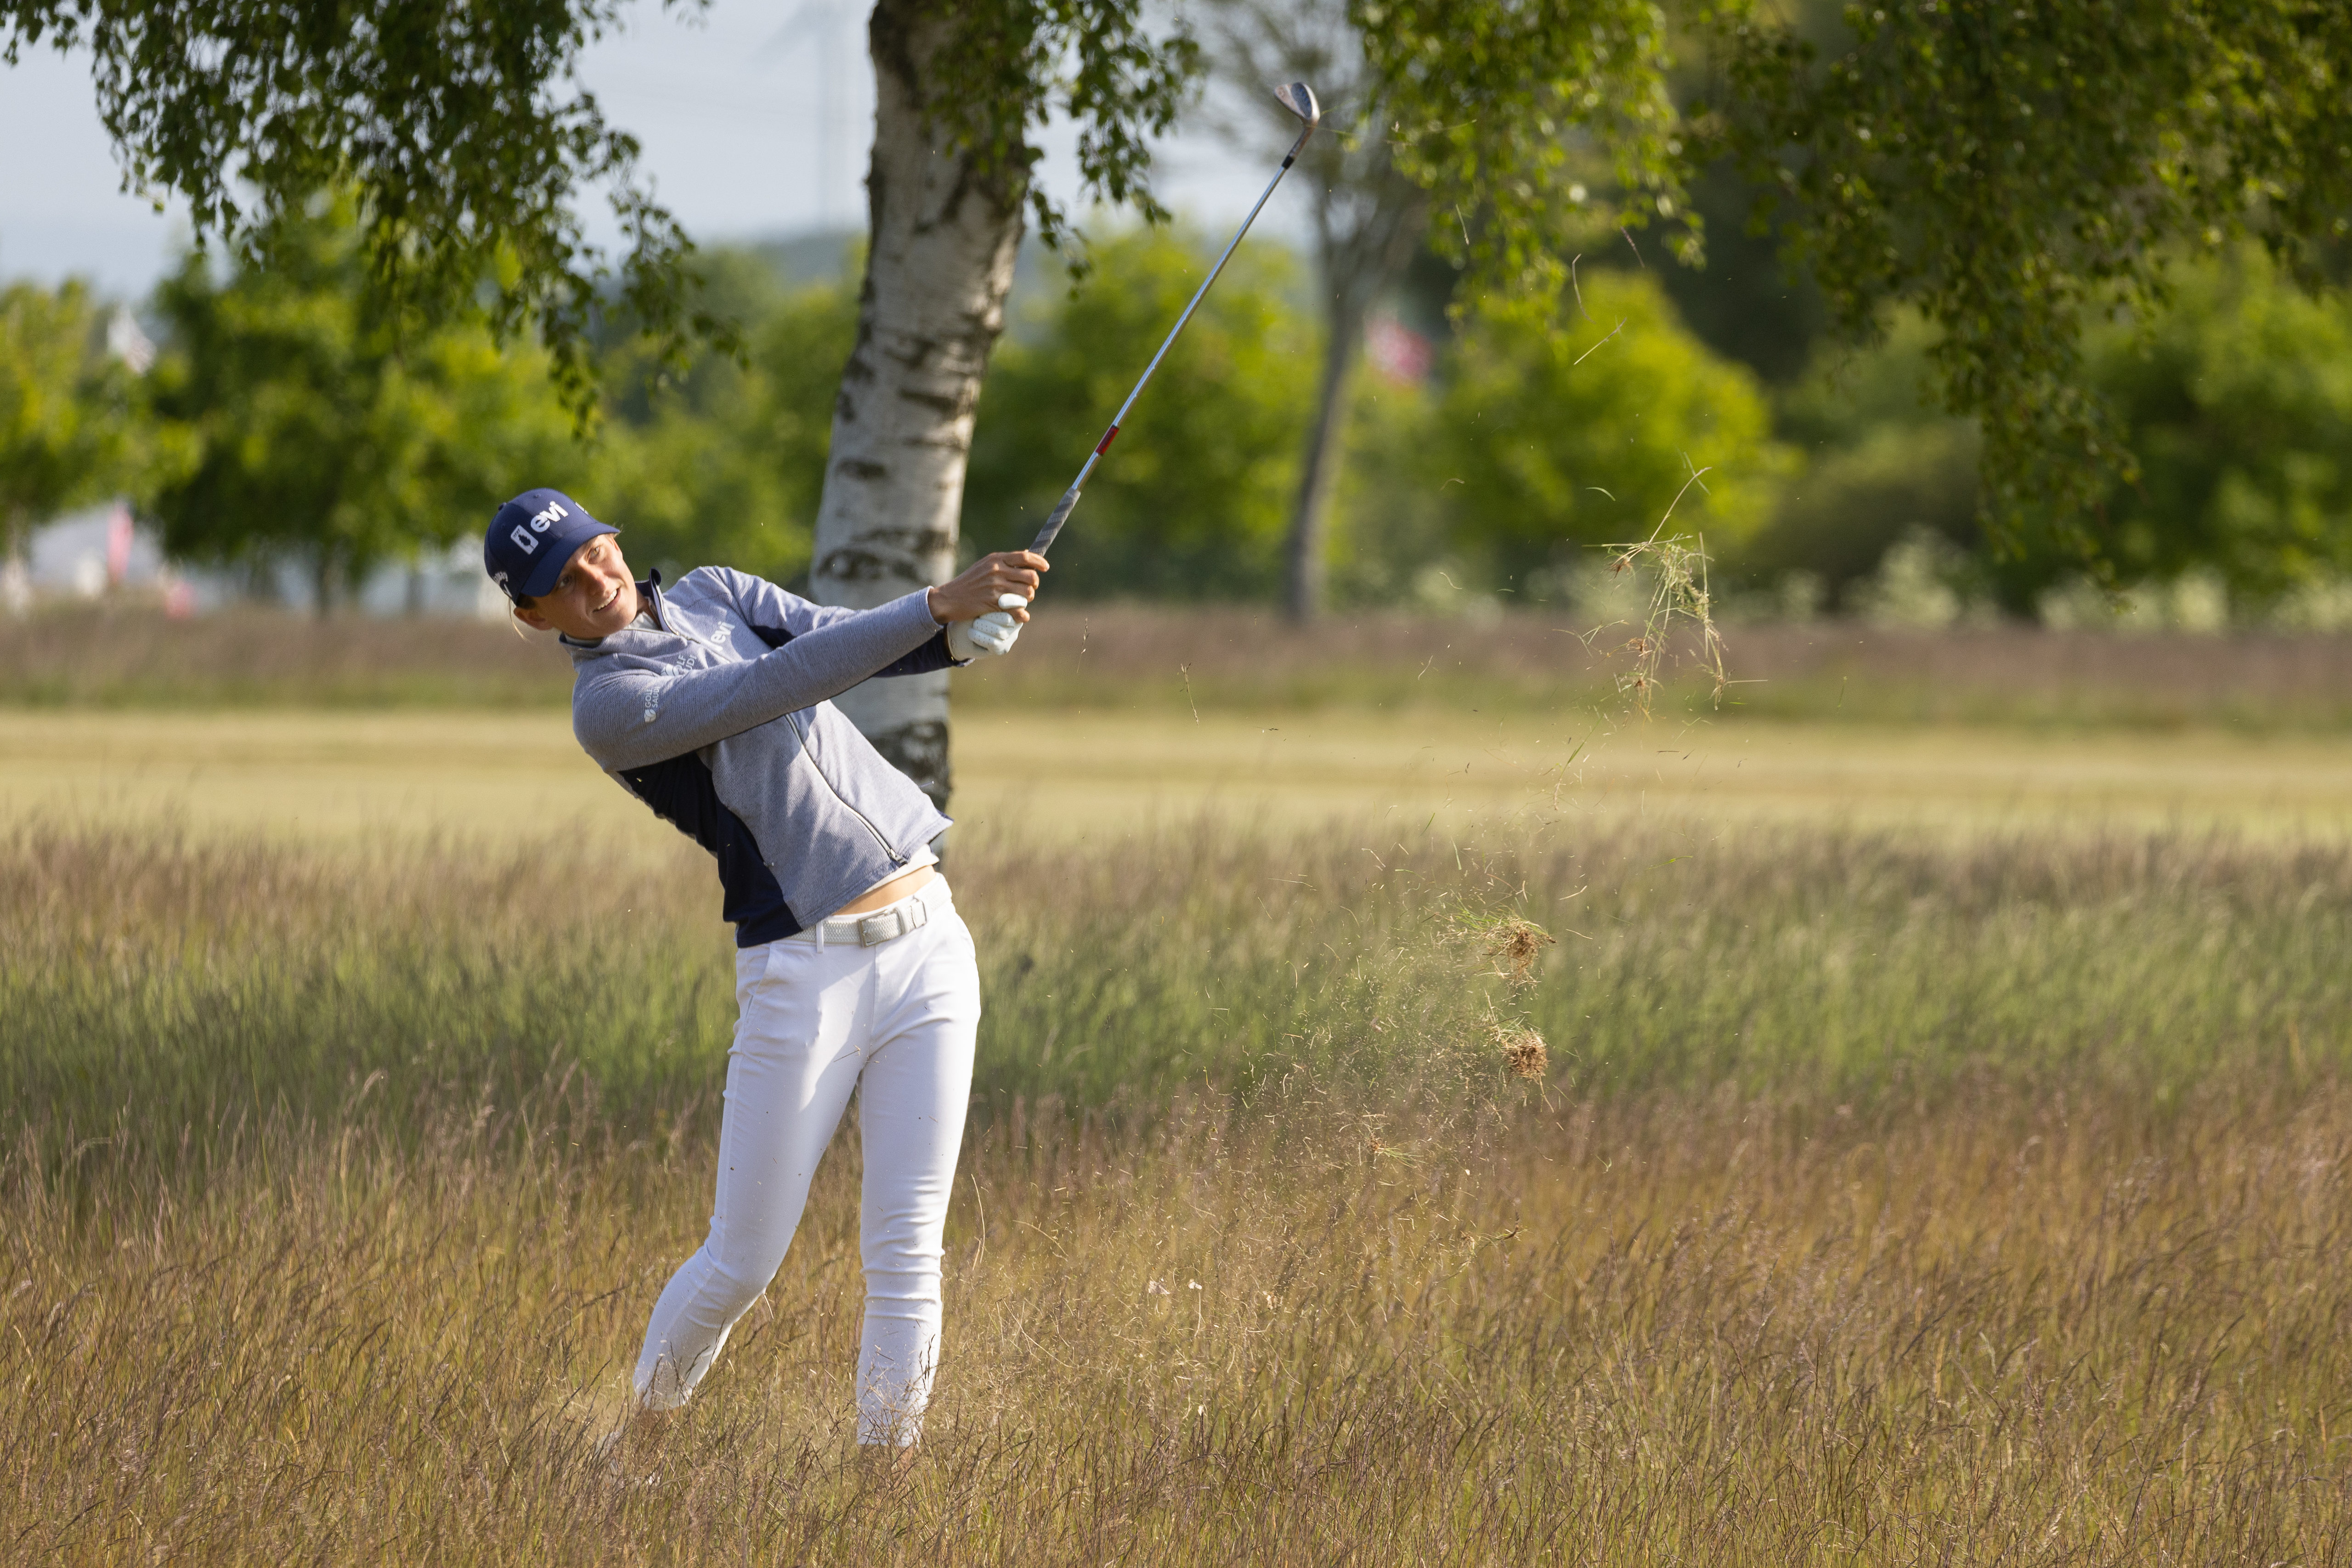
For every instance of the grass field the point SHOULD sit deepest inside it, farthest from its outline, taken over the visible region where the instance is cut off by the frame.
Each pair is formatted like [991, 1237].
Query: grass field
[1883, 1201]
[1026, 774]
[1941, 1155]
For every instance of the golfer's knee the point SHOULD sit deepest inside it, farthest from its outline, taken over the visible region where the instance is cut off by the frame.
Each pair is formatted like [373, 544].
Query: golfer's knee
[732, 1284]
[911, 1295]
[911, 1253]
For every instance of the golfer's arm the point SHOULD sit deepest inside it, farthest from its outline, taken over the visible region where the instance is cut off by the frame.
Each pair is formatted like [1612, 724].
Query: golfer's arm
[635, 717]
[763, 606]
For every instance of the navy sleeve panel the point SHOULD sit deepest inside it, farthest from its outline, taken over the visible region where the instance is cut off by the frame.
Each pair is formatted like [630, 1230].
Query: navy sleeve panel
[933, 655]
[681, 793]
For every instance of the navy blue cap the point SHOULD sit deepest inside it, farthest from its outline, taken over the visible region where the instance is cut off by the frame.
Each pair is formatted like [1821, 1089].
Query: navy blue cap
[533, 537]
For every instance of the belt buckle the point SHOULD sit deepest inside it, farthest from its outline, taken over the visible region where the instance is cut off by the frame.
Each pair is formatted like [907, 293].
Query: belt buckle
[870, 929]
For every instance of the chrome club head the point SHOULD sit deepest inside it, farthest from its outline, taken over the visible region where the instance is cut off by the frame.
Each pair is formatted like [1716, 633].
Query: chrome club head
[1299, 99]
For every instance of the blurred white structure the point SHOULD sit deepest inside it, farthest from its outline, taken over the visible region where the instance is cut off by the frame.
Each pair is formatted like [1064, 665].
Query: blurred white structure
[2195, 601]
[127, 342]
[83, 554]
[90, 555]
[442, 582]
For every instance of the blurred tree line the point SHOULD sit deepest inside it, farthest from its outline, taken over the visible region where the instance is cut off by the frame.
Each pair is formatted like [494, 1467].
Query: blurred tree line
[67, 408]
[1498, 470]
[285, 422]
[2234, 401]
[281, 422]
[290, 424]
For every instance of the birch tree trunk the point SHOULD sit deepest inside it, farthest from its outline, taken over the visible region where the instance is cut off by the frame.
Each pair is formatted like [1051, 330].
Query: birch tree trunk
[937, 273]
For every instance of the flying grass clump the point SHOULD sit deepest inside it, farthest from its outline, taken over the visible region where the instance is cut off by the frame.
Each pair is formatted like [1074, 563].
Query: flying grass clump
[1524, 1052]
[1677, 565]
[1514, 943]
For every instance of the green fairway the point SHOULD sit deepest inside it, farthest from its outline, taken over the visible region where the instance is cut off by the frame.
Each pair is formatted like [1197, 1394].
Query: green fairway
[1025, 775]
[1100, 773]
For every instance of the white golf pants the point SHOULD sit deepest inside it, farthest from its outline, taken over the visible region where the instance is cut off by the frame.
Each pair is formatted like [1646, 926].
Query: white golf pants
[896, 1022]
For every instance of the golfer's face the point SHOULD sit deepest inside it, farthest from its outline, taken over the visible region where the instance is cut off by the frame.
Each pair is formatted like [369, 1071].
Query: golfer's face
[595, 597]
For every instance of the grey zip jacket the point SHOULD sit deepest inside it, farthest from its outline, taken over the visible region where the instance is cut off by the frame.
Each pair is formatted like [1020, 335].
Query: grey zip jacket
[716, 718]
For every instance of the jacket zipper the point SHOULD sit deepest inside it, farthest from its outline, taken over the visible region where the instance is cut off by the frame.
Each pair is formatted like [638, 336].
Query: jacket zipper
[818, 768]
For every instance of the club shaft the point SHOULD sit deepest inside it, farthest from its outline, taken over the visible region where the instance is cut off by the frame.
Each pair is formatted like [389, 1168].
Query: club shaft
[1063, 508]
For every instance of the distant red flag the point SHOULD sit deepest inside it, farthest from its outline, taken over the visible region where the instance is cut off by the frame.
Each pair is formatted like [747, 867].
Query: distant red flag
[118, 546]
[1397, 351]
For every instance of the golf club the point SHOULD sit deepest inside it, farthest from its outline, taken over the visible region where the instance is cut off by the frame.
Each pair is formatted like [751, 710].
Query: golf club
[1296, 97]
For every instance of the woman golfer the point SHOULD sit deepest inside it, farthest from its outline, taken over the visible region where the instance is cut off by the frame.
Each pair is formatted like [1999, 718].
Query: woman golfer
[708, 702]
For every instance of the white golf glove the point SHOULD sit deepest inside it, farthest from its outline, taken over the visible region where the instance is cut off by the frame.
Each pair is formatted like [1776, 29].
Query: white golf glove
[988, 635]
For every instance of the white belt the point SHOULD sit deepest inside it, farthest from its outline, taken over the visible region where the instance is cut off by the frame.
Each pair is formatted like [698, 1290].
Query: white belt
[876, 927]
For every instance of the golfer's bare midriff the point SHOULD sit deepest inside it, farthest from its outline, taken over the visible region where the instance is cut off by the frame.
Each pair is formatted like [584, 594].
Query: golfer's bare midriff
[890, 892]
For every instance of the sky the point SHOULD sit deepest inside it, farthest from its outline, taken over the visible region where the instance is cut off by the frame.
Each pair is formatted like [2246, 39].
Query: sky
[755, 118]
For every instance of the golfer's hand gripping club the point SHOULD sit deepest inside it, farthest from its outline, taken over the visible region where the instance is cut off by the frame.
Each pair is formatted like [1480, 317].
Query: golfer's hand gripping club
[995, 632]
[983, 638]
[1299, 100]
[983, 605]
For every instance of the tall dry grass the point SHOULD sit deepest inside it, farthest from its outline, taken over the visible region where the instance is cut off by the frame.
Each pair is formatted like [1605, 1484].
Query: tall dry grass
[1160, 658]
[130, 655]
[1633, 1331]
[1884, 1202]
[166, 993]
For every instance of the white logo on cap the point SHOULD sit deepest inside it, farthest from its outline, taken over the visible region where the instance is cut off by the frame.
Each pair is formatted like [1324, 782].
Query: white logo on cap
[522, 536]
[552, 513]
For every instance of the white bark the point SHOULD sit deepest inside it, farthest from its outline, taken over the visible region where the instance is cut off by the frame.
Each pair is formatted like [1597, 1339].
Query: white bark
[939, 266]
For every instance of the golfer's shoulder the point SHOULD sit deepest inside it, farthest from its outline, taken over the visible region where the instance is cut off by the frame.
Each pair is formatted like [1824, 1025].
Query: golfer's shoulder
[598, 683]
[725, 587]
[625, 705]
[707, 590]
[613, 675]
[776, 615]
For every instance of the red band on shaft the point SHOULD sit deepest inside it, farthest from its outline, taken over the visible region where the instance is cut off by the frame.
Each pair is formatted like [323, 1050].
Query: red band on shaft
[1104, 445]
